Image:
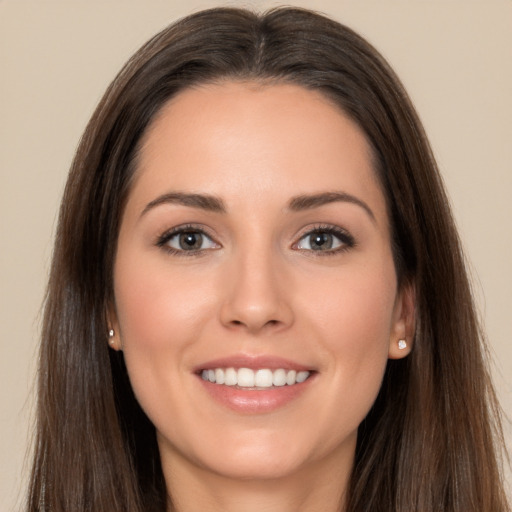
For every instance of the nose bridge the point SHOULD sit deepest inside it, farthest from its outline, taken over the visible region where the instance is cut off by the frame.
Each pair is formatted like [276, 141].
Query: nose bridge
[256, 295]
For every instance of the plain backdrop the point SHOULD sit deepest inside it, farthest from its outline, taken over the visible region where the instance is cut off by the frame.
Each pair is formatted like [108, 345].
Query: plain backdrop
[56, 59]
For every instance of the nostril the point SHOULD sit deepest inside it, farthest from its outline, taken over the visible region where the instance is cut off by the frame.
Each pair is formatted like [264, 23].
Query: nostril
[269, 323]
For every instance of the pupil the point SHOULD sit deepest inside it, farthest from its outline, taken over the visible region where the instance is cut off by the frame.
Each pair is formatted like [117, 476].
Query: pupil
[189, 241]
[321, 241]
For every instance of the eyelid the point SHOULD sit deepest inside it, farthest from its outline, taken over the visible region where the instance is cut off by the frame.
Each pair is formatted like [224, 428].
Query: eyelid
[163, 239]
[344, 236]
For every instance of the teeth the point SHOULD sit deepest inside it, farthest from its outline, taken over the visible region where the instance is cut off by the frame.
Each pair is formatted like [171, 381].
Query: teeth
[290, 377]
[279, 378]
[263, 379]
[219, 376]
[301, 376]
[230, 377]
[247, 378]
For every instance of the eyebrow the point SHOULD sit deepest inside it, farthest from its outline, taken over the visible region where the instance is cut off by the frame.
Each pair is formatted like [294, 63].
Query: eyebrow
[202, 201]
[215, 204]
[306, 202]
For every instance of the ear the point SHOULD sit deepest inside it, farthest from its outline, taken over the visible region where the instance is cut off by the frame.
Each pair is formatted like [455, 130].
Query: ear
[113, 334]
[402, 330]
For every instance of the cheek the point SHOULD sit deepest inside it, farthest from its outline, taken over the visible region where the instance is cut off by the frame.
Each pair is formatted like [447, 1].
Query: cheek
[155, 304]
[356, 307]
[355, 318]
[160, 314]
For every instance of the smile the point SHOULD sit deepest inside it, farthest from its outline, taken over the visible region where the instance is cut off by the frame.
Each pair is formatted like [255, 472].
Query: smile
[255, 379]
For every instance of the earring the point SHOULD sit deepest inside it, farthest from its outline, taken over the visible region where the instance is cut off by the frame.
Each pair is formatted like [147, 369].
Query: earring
[111, 340]
[402, 344]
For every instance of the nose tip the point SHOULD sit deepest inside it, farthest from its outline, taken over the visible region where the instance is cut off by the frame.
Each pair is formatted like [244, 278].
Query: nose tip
[255, 321]
[256, 300]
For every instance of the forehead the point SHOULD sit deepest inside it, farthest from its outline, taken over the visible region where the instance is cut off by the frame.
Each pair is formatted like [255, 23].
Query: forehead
[229, 138]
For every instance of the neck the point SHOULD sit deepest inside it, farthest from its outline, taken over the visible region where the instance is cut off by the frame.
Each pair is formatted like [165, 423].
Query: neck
[320, 486]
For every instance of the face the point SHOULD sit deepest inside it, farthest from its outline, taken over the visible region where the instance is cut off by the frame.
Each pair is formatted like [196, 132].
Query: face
[256, 298]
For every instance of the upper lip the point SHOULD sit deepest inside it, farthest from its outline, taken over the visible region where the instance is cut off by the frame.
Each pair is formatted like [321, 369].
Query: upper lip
[254, 362]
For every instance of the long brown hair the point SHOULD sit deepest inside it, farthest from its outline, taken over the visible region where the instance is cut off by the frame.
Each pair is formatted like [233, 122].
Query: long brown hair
[432, 440]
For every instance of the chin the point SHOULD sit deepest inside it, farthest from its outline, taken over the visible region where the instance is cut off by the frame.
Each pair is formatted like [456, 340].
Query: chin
[268, 468]
[263, 460]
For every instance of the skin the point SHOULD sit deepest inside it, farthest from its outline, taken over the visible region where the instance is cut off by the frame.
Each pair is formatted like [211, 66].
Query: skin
[257, 288]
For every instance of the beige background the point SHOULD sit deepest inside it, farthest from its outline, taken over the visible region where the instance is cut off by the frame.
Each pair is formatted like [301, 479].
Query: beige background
[56, 58]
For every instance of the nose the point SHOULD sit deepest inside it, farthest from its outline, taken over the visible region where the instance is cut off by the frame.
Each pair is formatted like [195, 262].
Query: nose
[257, 295]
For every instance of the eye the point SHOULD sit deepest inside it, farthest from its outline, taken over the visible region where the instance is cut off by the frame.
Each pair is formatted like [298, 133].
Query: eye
[328, 239]
[186, 239]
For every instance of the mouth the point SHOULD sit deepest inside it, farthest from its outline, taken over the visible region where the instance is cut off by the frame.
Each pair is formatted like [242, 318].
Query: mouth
[254, 379]
[255, 384]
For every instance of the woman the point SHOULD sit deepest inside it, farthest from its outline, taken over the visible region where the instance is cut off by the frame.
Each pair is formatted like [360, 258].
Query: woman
[258, 299]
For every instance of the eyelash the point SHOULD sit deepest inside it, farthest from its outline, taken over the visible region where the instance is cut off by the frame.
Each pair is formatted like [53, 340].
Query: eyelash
[346, 239]
[164, 239]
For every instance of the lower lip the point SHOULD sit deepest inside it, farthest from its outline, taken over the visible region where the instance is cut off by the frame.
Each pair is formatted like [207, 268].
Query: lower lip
[255, 401]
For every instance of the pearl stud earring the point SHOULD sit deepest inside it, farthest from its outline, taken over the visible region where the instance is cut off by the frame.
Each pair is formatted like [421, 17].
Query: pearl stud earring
[402, 344]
